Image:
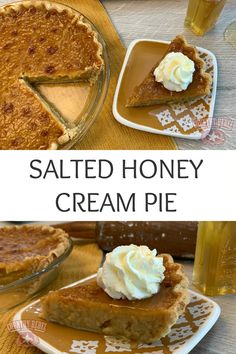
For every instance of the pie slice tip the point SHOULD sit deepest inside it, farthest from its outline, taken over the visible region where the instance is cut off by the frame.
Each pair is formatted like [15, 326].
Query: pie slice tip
[150, 92]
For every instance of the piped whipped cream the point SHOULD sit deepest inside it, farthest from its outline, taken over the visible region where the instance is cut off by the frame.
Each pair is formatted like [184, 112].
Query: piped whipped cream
[175, 72]
[131, 272]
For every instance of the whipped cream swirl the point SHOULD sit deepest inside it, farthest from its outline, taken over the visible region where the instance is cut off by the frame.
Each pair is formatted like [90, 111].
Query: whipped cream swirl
[131, 272]
[175, 72]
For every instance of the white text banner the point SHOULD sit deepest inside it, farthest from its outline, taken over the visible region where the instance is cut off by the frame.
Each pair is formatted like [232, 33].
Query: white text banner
[117, 185]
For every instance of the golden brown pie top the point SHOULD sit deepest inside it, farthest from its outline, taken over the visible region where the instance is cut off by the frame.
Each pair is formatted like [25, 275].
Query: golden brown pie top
[152, 92]
[29, 248]
[40, 42]
[171, 290]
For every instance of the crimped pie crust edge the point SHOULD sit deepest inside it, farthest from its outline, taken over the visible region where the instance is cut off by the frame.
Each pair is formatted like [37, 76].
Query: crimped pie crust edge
[40, 261]
[78, 18]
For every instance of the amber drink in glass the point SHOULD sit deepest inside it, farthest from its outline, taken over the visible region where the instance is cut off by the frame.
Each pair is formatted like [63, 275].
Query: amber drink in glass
[215, 259]
[202, 15]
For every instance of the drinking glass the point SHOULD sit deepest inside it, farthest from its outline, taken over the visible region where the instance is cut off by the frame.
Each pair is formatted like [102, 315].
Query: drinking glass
[230, 34]
[215, 259]
[202, 15]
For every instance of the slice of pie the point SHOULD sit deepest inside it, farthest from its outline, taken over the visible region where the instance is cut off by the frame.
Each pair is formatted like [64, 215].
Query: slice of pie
[151, 92]
[27, 249]
[88, 307]
[41, 42]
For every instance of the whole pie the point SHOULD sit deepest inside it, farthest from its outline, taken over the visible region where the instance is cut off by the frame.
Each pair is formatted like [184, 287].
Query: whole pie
[27, 249]
[41, 42]
[87, 306]
[151, 92]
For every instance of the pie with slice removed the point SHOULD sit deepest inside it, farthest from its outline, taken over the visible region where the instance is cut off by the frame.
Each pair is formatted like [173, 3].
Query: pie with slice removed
[27, 249]
[151, 92]
[87, 306]
[41, 42]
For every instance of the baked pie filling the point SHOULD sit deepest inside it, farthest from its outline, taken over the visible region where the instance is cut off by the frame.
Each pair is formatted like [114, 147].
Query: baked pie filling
[151, 92]
[25, 250]
[41, 42]
[87, 306]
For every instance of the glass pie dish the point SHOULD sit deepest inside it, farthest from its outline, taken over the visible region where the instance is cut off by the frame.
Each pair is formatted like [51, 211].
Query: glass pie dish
[90, 100]
[61, 86]
[78, 104]
[17, 292]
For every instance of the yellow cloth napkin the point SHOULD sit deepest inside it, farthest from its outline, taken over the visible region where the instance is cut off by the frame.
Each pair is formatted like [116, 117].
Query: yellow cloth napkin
[82, 262]
[107, 133]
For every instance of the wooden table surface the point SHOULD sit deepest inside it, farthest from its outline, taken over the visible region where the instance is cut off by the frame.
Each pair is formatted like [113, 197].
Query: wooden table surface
[221, 339]
[163, 19]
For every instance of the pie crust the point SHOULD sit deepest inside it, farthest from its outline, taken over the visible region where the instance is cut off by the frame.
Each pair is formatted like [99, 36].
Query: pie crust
[86, 306]
[41, 42]
[27, 249]
[151, 92]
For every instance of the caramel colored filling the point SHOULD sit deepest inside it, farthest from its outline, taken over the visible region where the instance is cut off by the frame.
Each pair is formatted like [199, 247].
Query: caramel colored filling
[39, 45]
[18, 243]
[87, 307]
[92, 295]
[150, 90]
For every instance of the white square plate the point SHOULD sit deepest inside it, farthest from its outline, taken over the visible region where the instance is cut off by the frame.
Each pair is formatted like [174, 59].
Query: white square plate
[191, 119]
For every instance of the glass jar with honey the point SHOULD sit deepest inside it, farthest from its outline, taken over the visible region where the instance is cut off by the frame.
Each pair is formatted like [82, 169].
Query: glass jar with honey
[202, 15]
[215, 259]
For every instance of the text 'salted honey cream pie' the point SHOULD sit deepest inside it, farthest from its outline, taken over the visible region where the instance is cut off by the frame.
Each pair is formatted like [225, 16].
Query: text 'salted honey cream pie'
[41, 42]
[137, 295]
[179, 76]
[27, 249]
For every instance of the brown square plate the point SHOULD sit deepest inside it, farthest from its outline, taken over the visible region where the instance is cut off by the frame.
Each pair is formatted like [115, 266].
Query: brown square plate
[192, 326]
[191, 119]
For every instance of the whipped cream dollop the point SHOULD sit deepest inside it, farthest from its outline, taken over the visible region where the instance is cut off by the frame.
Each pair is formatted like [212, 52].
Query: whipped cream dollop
[175, 72]
[131, 272]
